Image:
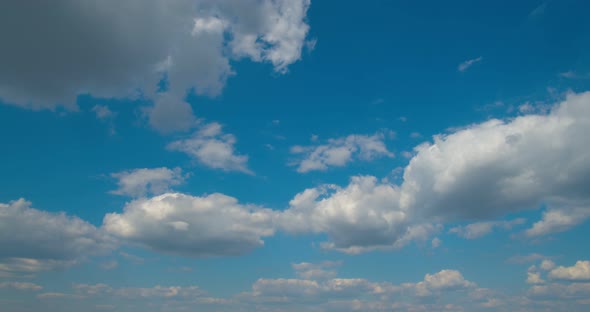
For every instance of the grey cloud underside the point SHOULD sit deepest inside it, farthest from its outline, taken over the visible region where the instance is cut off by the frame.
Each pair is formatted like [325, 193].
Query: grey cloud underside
[32, 240]
[54, 51]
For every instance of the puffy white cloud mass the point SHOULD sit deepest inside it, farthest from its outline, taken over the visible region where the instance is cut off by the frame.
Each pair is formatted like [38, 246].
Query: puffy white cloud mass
[211, 147]
[479, 172]
[99, 47]
[144, 181]
[497, 167]
[444, 280]
[363, 216]
[214, 225]
[560, 288]
[341, 151]
[579, 272]
[32, 240]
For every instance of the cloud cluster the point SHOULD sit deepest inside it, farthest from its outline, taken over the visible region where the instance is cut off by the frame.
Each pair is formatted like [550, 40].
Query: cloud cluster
[98, 48]
[497, 167]
[356, 294]
[560, 287]
[363, 216]
[476, 173]
[214, 225]
[341, 151]
[211, 147]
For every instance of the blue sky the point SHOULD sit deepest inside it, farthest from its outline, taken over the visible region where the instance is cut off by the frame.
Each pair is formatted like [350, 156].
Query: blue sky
[288, 155]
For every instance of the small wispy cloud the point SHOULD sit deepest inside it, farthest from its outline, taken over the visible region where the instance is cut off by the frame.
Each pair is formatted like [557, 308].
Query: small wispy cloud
[465, 65]
[570, 74]
[539, 10]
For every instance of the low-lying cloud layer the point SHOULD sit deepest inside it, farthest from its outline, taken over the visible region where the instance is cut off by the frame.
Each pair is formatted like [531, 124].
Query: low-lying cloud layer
[479, 173]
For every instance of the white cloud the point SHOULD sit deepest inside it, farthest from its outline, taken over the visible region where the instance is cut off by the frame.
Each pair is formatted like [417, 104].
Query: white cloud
[313, 271]
[98, 48]
[547, 265]
[534, 278]
[357, 294]
[478, 172]
[490, 169]
[570, 74]
[479, 229]
[465, 65]
[444, 280]
[213, 148]
[566, 285]
[363, 216]
[32, 240]
[341, 151]
[558, 220]
[144, 181]
[20, 285]
[214, 225]
[579, 272]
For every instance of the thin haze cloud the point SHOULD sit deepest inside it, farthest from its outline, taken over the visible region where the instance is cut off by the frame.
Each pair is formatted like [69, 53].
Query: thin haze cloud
[467, 64]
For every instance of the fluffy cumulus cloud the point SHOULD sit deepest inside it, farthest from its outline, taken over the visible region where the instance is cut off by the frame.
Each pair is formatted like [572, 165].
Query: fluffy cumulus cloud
[559, 287]
[444, 280]
[214, 225]
[579, 272]
[363, 216]
[97, 47]
[32, 240]
[144, 181]
[341, 151]
[497, 167]
[212, 148]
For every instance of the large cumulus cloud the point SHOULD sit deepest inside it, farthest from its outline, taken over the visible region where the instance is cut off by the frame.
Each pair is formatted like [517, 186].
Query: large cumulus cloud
[213, 225]
[54, 51]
